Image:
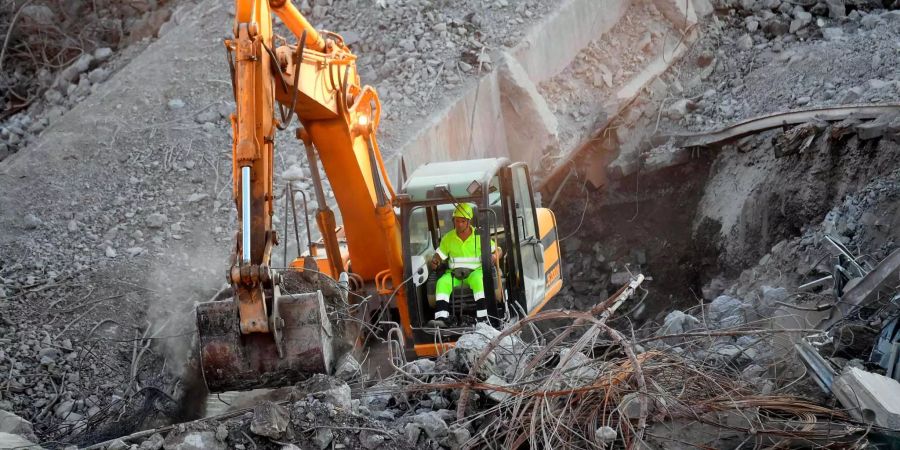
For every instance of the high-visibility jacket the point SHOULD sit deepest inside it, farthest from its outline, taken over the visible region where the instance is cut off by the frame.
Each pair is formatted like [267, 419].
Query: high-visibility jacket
[464, 254]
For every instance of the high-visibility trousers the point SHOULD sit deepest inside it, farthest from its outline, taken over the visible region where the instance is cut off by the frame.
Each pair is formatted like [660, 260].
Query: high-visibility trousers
[444, 288]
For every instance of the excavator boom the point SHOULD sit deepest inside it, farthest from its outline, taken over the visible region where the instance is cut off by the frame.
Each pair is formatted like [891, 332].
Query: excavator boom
[261, 337]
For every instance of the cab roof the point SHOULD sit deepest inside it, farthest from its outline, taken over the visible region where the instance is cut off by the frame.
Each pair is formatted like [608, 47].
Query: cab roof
[457, 175]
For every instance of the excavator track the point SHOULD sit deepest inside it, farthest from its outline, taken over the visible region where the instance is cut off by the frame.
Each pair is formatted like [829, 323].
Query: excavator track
[233, 361]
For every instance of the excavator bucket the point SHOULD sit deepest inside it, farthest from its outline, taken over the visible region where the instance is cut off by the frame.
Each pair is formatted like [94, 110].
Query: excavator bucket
[232, 361]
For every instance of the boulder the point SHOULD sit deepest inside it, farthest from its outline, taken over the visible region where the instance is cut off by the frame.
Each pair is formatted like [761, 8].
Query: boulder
[328, 389]
[13, 424]
[270, 420]
[197, 440]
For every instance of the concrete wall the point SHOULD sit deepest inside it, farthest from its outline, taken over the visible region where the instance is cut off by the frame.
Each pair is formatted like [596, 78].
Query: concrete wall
[504, 101]
[504, 114]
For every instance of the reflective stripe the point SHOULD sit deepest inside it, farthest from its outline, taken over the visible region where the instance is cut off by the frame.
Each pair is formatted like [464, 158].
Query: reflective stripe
[481, 313]
[461, 265]
[466, 259]
[442, 314]
[441, 254]
[442, 298]
[478, 295]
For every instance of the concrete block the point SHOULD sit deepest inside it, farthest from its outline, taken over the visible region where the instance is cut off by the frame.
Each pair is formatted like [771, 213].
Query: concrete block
[873, 129]
[666, 156]
[467, 129]
[869, 397]
[530, 125]
[550, 47]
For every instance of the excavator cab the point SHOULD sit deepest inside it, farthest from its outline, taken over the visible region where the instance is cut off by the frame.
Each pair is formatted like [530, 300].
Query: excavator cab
[524, 278]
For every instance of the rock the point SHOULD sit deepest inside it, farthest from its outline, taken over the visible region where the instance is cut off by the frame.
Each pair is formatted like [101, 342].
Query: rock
[347, 367]
[8, 440]
[81, 65]
[110, 252]
[852, 95]
[32, 222]
[72, 226]
[705, 58]
[154, 442]
[496, 396]
[323, 438]
[630, 405]
[47, 355]
[836, 9]
[53, 96]
[799, 23]
[370, 440]
[13, 424]
[117, 444]
[725, 312]
[412, 432]
[176, 103]
[156, 220]
[63, 409]
[294, 173]
[98, 75]
[38, 14]
[270, 420]
[433, 425]
[681, 107]
[197, 197]
[832, 33]
[771, 295]
[745, 42]
[210, 115]
[620, 278]
[221, 433]
[803, 100]
[420, 367]
[872, 129]
[102, 54]
[196, 440]
[135, 251]
[677, 322]
[328, 389]
[606, 434]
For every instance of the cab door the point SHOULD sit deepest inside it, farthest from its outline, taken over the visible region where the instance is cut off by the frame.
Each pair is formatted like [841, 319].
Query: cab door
[529, 251]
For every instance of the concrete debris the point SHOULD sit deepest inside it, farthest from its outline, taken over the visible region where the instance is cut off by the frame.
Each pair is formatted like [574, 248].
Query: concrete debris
[869, 397]
[197, 440]
[269, 420]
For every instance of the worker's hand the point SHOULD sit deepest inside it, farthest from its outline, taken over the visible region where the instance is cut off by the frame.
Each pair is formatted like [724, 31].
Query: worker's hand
[496, 256]
[435, 261]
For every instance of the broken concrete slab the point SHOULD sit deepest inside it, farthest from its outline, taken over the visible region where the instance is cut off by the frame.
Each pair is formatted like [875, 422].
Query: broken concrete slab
[270, 420]
[869, 397]
[531, 127]
[8, 440]
[13, 424]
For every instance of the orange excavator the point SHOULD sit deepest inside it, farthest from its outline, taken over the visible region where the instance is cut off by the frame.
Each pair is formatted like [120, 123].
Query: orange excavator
[264, 337]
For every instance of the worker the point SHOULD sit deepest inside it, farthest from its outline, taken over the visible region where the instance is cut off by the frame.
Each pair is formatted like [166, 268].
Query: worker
[462, 246]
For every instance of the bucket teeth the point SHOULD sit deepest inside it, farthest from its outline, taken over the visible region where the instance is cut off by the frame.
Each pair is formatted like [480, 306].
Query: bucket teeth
[233, 361]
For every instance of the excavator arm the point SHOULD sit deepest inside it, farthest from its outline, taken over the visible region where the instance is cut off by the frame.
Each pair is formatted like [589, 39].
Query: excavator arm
[261, 337]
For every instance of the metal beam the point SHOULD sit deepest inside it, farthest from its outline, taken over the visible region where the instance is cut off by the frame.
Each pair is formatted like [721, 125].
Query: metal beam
[781, 119]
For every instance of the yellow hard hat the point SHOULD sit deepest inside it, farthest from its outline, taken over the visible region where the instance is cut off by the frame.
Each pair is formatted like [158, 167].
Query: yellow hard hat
[463, 210]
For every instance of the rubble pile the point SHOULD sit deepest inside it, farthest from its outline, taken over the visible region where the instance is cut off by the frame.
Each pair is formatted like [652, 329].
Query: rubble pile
[57, 52]
[422, 52]
[584, 383]
[790, 56]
